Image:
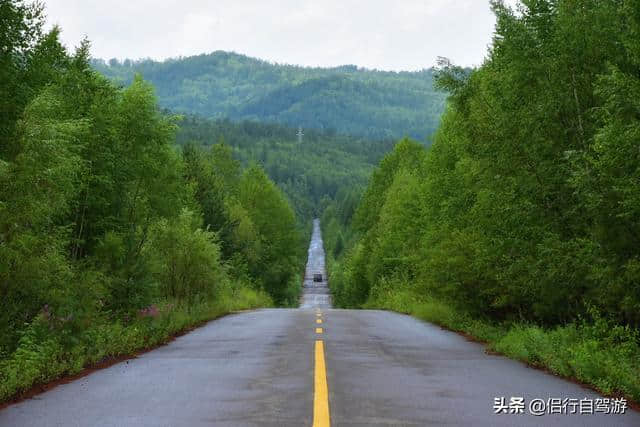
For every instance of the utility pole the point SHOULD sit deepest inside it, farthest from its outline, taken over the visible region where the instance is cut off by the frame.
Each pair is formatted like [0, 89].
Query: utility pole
[300, 134]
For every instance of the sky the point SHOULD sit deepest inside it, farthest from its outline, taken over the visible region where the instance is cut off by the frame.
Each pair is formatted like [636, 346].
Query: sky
[376, 34]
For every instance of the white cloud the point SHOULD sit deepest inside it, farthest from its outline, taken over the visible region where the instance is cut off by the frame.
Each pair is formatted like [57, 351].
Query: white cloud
[383, 34]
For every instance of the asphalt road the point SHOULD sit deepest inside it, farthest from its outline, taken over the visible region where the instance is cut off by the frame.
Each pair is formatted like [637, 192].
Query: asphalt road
[315, 293]
[261, 368]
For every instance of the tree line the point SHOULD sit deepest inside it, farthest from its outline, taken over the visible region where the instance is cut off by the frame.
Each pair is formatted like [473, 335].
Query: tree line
[527, 205]
[311, 172]
[102, 216]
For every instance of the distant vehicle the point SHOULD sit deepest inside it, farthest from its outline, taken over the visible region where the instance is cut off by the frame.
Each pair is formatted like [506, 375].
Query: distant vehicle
[317, 277]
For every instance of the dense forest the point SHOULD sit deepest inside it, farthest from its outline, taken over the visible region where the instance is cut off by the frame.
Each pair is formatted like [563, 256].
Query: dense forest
[126, 217]
[347, 99]
[112, 237]
[312, 170]
[521, 224]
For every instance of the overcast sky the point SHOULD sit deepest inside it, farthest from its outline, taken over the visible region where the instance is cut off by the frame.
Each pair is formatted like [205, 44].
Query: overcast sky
[382, 34]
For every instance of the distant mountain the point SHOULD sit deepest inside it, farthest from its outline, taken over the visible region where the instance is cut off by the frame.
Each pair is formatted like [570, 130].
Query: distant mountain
[346, 99]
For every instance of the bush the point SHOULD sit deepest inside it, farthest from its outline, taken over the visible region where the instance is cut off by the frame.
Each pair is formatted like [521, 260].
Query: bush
[184, 259]
[44, 353]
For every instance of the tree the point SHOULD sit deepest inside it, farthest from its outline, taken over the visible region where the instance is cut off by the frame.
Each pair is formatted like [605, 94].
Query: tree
[275, 225]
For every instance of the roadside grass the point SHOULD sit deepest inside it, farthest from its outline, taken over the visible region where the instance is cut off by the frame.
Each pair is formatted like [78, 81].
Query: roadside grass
[597, 352]
[45, 354]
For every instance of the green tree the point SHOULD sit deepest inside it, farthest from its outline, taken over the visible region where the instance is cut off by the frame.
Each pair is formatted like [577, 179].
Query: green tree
[184, 259]
[275, 224]
[36, 191]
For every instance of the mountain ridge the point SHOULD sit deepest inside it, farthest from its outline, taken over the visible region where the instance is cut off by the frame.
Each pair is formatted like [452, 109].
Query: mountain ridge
[348, 99]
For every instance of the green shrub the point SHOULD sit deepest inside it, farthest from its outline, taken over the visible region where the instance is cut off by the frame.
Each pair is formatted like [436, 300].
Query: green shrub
[184, 259]
[42, 355]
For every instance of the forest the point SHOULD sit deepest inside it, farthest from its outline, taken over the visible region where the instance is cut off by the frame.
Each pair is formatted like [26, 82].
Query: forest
[520, 225]
[141, 198]
[112, 237]
[347, 100]
[312, 172]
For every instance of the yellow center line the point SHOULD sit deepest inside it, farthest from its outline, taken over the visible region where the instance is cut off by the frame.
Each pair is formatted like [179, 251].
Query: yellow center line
[318, 321]
[318, 330]
[321, 391]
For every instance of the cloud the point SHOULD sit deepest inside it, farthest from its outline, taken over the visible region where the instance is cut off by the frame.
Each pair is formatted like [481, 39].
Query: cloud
[382, 34]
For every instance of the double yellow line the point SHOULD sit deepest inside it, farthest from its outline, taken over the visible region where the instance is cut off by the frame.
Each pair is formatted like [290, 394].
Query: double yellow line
[321, 416]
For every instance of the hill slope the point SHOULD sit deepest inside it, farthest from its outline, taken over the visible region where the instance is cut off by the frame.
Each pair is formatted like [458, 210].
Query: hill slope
[320, 167]
[347, 99]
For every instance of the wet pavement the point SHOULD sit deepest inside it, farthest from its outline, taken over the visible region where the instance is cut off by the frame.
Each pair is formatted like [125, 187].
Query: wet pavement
[315, 293]
[257, 369]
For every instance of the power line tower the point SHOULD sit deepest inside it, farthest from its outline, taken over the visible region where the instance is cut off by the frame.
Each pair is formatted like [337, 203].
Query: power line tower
[300, 134]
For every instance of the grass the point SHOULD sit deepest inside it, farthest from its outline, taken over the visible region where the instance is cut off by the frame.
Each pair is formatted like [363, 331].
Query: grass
[44, 355]
[597, 353]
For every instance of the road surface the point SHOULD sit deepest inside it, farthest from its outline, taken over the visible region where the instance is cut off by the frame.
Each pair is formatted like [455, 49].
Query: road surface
[266, 368]
[315, 294]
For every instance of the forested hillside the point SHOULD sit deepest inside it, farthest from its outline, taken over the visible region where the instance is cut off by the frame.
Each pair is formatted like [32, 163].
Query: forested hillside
[521, 224]
[112, 238]
[347, 99]
[140, 198]
[311, 171]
